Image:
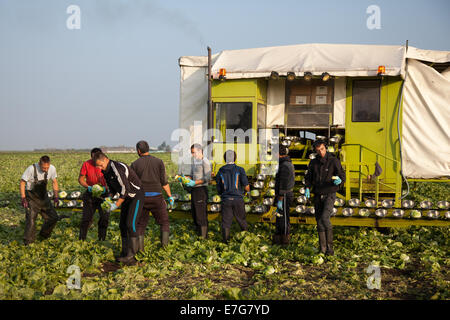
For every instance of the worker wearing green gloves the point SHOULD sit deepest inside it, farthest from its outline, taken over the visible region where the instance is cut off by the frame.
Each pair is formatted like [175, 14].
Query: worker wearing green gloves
[324, 176]
[284, 185]
[152, 173]
[197, 182]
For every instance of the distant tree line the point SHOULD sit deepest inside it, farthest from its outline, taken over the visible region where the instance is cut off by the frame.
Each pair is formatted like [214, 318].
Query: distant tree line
[61, 150]
[164, 147]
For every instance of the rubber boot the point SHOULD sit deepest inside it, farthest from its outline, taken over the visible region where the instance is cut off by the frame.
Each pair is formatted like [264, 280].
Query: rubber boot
[164, 239]
[204, 232]
[285, 239]
[101, 234]
[276, 239]
[83, 234]
[30, 227]
[133, 248]
[225, 235]
[329, 236]
[141, 243]
[322, 242]
[124, 251]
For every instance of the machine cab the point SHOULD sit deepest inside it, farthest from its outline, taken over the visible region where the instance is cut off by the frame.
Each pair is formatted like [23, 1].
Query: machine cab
[240, 111]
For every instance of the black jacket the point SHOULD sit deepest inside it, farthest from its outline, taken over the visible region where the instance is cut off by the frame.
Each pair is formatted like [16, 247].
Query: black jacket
[121, 179]
[285, 177]
[231, 181]
[320, 172]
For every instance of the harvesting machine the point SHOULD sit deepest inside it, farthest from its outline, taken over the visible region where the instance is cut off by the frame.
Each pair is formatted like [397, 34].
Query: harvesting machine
[383, 110]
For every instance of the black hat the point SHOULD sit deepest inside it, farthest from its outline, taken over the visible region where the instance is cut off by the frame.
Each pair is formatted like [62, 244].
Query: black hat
[283, 150]
[317, 143]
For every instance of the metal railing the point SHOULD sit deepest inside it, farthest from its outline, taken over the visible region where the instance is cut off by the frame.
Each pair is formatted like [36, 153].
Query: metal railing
[398, 186]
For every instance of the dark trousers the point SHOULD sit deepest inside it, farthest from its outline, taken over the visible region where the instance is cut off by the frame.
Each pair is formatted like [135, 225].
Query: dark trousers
[90, 204]
[233, 207]
[282, 224]
[323, 208]
[158, 207]
[48, 212]
[199, 202]
[130, 214]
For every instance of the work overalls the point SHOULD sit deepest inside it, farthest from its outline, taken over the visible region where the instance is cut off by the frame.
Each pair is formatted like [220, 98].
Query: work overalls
[39, 202]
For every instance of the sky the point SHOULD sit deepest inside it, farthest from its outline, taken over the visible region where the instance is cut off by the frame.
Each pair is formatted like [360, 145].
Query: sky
[116, 80]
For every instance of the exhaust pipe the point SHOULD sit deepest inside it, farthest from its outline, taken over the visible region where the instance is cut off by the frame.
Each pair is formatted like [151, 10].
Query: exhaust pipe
[210, 106]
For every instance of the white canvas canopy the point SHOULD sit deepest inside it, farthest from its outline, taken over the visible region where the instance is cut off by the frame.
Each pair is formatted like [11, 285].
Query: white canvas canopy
[426, 110]
[336, 59]
[426, 122]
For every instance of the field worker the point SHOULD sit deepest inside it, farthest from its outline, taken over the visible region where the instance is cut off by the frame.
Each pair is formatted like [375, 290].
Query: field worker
[89, 176]
[232, 182]
[284, 196]
[200, 177]
[123, 180]
[152, 173]
[324, 175]
[33, 191]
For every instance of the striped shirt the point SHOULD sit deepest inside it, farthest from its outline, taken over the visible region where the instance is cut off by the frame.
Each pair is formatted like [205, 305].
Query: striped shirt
[121, 179]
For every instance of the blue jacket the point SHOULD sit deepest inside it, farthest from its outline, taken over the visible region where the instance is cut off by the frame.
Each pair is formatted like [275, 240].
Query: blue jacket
[231, 180]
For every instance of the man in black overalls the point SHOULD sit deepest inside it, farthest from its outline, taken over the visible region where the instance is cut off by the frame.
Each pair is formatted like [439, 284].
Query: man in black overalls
[33, 191]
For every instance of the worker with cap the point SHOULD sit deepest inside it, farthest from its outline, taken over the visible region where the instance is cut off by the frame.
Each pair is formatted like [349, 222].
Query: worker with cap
[89, 176]
[232, 182]
[35, 199]
[324, 175]
[199, 178]
[123, 180]
[152, 173]
[284, 196]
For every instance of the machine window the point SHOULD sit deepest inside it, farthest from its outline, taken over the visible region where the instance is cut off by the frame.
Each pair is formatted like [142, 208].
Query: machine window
[366, 101]
[262, 118]
[235, 116]
[309, 104]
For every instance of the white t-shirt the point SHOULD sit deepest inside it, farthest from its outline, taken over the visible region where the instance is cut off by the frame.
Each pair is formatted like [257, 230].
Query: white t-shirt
[28, 175]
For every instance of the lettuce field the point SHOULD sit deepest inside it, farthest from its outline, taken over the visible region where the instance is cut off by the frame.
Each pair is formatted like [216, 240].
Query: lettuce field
[413, 263]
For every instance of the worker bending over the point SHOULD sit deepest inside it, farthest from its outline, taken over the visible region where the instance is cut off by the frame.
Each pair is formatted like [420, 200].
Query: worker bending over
[123, 180]
[89, 176]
